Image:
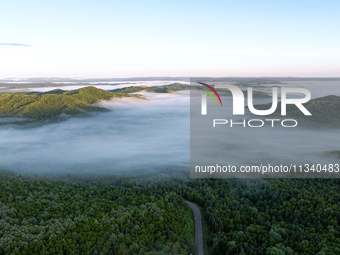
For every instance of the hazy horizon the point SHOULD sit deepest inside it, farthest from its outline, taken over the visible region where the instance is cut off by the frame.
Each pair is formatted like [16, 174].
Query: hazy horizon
[38, 79]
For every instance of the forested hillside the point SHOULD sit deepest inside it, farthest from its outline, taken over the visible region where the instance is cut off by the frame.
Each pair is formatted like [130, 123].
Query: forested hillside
[50, 105]
[324, 110]
[116, 216]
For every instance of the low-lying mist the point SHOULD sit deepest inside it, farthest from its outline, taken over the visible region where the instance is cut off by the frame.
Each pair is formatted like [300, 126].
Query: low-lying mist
[152, 136]
[253, 146]
[136, 135]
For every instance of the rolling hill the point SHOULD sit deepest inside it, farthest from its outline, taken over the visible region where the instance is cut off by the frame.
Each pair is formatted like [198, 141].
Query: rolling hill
[50, 105]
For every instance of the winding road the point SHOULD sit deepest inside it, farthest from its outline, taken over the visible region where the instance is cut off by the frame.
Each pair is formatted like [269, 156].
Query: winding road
[198, 229]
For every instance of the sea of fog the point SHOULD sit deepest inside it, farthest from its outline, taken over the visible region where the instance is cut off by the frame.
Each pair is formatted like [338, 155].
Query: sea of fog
[136, 135]
[153, 136]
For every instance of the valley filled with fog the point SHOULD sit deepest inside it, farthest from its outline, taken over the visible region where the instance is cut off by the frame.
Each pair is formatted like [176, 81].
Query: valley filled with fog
[136, 135]
[139, 136]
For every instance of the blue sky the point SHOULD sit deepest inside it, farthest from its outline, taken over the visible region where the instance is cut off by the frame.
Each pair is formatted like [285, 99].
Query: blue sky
[169, 38]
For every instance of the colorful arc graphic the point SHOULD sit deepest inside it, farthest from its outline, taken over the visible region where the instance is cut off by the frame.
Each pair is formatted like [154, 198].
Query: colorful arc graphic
[209, 95]
[213, 90]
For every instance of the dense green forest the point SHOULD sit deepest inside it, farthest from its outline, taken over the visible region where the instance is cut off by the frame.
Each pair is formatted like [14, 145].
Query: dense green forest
[282, 216]
[114, 215]
[65, 217]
